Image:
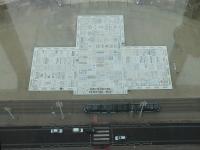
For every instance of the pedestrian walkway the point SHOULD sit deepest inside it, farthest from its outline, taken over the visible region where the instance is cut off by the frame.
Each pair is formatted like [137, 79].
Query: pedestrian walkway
[101, 136]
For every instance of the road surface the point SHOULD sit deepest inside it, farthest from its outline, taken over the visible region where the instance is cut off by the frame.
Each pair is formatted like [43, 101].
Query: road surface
[152, 134]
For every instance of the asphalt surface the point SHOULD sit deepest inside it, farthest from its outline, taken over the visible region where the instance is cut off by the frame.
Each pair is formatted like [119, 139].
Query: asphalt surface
[41, 136]
[144, 134]
[43, 112]
[46, 106]
[159, 134]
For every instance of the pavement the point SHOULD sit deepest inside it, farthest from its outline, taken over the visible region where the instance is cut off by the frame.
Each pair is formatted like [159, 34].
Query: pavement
[140, 147]
[47, 24]
[47, 113]
[26, 25]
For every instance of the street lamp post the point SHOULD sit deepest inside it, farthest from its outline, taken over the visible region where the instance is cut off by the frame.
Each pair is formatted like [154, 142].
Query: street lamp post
[60, 105]
[142, 104]
[131, 110]
[8, 109]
